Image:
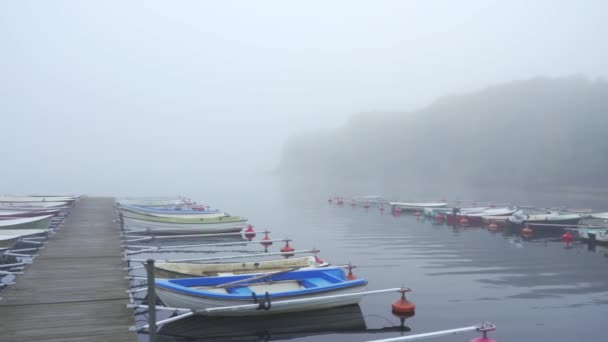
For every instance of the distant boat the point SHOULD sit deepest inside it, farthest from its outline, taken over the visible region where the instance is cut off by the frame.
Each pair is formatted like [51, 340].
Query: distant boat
[210, 292]
[546, 219]
[476, 217]
[39, 222]
[594, 234]
[177, 225]
[180, 270]
[412, 206]
[601, 216]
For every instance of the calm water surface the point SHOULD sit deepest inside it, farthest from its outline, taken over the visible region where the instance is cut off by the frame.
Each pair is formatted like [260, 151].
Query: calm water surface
[532, 289]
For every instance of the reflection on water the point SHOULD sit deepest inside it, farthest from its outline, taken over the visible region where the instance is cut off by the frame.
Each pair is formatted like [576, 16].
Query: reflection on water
[532, 288]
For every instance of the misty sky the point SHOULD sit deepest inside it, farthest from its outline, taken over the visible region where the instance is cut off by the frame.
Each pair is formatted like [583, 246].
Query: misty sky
[134, 97]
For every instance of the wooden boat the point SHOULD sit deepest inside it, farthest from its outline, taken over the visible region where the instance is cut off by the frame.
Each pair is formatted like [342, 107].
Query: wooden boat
[26, 213]
[594, 234]
[546, 219]
[177, 225]
[39, 222]
[209, 292]
[413, 206]
[180, 270]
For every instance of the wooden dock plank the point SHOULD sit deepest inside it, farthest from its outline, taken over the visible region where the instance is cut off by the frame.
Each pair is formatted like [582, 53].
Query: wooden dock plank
[75, 290]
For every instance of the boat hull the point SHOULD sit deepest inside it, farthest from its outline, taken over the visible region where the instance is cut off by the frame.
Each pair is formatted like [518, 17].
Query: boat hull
[179, 300]
[185, 228]
[42, 222]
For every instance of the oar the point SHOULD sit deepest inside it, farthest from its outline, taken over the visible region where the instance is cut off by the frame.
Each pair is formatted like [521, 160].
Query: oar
[260, 276]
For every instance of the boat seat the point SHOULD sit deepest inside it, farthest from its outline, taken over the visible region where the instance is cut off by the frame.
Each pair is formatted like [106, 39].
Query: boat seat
[239, 290]
[314, 282]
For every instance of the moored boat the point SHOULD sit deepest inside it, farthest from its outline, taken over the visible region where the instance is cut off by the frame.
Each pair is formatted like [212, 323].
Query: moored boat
[415, 206]
[32, 205]
[170, 212]
[548, 219]
[9, 237]
[594, 234]
[601, 216]
[177, 225]
[27, 213]
[37, 199]
[39, 222]
[209, 292]
[180, 270]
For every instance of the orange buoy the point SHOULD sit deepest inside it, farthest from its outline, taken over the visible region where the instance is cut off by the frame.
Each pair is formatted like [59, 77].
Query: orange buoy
[350, 275]
[402, 306]
[287, 249]
[249, 233]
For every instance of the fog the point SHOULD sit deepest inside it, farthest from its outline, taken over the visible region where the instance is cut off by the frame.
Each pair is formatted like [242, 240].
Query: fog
[154, 97]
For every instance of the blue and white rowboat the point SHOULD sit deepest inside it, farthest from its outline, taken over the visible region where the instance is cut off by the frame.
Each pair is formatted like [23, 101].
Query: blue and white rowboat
[209, 292]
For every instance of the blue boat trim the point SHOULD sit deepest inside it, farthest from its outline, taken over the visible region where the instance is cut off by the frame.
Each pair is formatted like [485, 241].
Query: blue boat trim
[313, 281]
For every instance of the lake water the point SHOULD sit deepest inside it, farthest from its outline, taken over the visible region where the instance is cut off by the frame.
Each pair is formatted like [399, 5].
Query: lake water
[534, 289]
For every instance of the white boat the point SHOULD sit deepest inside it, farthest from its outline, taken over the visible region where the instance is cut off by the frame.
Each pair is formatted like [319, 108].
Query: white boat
[39, 222]
[36, 199]
[601, 216]
[31, 205]
[547, 219]
[492, 212]
[417, 205]
[185, 228]
[316, 285]
[151, 202]
[9, 237]
[176, 270]
[137, 212]
[594, 234]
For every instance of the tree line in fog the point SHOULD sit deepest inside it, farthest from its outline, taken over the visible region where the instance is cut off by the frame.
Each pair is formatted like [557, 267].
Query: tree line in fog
[536, 133]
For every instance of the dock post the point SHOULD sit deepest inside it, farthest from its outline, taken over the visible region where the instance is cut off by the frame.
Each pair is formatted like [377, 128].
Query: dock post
[151, 300]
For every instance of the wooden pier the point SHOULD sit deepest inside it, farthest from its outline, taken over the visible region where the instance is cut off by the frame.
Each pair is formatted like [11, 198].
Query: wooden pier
[75, 289]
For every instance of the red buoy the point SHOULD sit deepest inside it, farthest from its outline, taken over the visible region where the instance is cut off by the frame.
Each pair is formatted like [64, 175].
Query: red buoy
[317, 259]
[527, 230]
[397, 210]
[249, 233]
[417, 213]
[463, 221]
[403, 306]
[492, 226]
[287, 249]
[266, 240]
[439, 218]
[567, 237]
[484, 329]
[366, 205]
